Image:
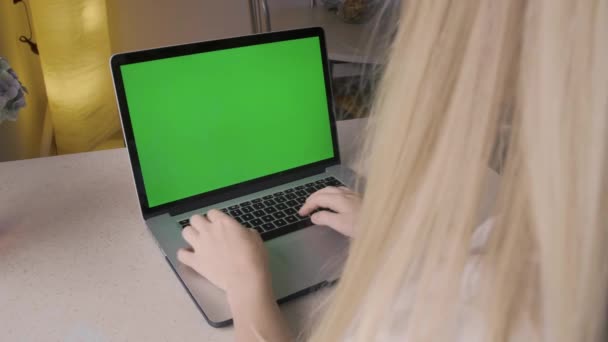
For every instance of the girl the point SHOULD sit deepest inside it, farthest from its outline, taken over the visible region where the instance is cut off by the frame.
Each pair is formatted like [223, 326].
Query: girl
[418, 269]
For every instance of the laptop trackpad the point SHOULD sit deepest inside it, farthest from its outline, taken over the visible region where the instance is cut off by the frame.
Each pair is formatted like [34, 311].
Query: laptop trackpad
[305, 258]
[297, 261]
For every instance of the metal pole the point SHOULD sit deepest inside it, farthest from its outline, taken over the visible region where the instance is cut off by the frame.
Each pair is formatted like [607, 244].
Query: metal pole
[266, 15]
[254, 15]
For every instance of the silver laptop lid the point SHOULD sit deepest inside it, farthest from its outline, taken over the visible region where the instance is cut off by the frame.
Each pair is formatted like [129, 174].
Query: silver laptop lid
[210, 121]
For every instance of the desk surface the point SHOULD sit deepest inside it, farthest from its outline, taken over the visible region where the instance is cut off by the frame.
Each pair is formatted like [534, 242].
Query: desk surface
[77, 262]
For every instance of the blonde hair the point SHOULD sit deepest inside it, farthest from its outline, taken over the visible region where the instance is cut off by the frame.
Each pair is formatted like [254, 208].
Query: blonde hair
[454, 66]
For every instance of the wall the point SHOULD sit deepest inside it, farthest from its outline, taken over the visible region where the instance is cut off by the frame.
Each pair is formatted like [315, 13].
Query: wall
[140, 24]
[281, 4]
[21, 139]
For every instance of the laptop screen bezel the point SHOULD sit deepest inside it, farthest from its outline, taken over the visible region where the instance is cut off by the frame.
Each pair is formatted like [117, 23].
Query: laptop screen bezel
[236, 190]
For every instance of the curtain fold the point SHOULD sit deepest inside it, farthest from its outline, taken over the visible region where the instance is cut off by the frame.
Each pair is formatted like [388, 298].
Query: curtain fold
[73, 40]
[21, 139]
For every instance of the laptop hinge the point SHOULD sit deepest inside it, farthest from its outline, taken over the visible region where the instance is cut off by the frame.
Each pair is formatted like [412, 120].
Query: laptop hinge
[242, 190]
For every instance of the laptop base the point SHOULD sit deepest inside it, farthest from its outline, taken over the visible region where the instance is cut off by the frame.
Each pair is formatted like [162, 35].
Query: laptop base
[300, 262]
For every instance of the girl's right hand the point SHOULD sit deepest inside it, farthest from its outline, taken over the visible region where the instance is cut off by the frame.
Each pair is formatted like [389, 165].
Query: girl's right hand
[343, 204]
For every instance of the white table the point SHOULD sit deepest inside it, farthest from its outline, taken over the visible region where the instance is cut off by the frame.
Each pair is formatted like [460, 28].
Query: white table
[78, 264]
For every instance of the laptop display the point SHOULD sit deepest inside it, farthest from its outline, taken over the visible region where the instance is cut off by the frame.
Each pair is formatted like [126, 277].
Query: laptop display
[206, 121]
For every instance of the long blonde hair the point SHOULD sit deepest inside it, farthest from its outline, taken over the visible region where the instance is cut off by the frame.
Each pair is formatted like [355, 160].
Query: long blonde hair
[454, 67]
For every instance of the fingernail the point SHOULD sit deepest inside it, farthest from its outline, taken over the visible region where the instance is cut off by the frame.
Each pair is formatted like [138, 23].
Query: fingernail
[313, 218]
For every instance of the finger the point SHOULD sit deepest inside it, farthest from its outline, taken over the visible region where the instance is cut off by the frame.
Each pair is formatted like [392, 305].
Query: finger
[190, 235]
[313, 202]
[186, 257]
[326, 218]
[334, 202]
[215, 215]
[328, 190]
[198, 221]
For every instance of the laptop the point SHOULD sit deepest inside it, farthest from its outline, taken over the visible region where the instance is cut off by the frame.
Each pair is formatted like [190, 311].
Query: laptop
[245, 125]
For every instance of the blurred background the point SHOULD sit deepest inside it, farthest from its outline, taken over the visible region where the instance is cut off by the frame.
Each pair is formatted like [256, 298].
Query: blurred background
[60, 51]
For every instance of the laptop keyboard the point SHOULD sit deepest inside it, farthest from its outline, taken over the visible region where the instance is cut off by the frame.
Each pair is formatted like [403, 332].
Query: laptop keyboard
[276, 214]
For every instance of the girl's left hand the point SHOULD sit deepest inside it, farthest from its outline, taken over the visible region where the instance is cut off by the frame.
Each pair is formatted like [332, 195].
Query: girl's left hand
[229, 255]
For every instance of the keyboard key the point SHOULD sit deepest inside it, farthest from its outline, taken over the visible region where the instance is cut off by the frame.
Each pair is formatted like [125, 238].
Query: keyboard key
[184, 223]
[334, 182]
[235, 213]
[291, 219]
[268, 226]
[270, 210]
[224, 210]
[270, 202]
[256, 222]
[276, 211]
[280, 223]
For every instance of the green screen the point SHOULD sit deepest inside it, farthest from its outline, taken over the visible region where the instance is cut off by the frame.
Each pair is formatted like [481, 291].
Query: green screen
[206, 121]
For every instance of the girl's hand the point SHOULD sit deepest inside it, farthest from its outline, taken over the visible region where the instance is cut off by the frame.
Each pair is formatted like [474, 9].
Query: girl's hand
[234, 259]
[343, 203]
[230, 256]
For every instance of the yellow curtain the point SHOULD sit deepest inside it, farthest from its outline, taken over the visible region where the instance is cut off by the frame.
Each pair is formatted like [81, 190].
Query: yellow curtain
[73, 40]
[21, 139]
